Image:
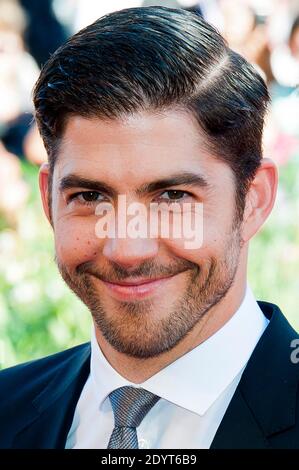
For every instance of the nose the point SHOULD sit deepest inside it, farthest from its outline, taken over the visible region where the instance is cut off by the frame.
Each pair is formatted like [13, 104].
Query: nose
[130, 251]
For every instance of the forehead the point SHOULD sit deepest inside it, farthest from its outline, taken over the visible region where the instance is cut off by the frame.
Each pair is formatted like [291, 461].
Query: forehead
[137, 147]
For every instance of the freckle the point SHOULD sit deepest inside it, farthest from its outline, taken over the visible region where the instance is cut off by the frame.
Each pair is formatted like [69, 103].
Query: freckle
[88, 243]
[77, 238]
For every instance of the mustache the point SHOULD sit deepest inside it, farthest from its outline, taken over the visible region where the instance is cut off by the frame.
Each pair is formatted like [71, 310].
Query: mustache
[147, 269]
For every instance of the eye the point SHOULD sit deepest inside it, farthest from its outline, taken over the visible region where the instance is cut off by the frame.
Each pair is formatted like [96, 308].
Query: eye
[86, 198]
[174, 195]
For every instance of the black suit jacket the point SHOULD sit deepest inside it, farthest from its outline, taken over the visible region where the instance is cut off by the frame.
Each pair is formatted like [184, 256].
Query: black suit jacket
[38, 399]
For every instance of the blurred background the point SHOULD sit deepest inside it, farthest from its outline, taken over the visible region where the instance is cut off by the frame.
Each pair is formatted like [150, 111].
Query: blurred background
[38, 313]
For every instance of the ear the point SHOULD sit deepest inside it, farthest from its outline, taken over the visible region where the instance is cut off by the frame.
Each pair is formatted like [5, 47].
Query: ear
[260, 198]
[44, 190]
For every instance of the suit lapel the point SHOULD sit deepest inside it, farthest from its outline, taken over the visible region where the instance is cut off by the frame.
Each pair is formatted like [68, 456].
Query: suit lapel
[264, 403]
[49, 416]
[238, 429]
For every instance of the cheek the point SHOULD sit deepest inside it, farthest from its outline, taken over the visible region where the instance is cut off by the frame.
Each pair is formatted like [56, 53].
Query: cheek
[210, 243]
[75, 241]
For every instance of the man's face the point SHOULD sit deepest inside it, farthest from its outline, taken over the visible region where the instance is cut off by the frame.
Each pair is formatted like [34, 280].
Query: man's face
[100, 160]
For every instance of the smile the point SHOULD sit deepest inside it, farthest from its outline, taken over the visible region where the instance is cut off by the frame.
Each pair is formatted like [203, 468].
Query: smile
[135, 289]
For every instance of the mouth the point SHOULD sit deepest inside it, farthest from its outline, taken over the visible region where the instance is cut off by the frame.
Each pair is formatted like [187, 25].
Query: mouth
[136, 289]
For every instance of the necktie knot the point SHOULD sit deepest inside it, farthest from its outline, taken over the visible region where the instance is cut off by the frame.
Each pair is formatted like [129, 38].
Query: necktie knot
[130, 405]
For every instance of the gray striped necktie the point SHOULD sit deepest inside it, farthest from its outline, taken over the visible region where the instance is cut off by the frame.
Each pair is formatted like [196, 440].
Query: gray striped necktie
[130, 405]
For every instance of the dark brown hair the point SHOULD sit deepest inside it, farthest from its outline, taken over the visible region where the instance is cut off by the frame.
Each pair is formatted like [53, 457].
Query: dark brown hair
[157, 58]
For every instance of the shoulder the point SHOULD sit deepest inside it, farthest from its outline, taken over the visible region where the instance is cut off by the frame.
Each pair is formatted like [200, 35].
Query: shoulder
[26, 379]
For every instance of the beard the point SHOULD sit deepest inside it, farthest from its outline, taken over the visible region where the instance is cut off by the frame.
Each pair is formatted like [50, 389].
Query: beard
[134, 328]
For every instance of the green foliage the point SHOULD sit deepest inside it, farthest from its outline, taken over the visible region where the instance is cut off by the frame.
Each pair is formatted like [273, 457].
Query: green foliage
[274, 252]
[38, 313]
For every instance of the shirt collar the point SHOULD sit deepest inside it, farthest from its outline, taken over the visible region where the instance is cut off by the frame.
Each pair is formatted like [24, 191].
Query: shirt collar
[197, 379]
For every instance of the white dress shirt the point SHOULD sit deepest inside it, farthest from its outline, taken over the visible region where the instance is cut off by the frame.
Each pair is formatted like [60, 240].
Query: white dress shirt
[195, 390]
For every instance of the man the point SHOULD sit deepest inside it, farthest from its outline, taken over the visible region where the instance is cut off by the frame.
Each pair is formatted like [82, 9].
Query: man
[150, 105]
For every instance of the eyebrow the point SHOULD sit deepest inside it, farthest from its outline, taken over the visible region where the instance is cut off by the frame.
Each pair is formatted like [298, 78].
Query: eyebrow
[178, 179]
[76, 181]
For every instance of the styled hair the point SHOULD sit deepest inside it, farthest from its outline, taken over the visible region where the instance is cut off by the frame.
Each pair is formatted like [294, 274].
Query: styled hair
[155, 59]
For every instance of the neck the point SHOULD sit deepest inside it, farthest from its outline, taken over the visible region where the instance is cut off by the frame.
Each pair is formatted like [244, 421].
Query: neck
[138, 370]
